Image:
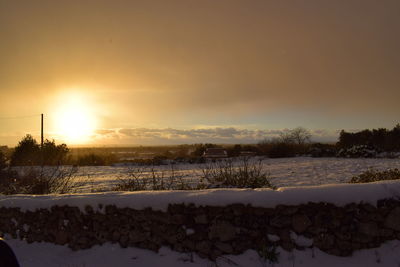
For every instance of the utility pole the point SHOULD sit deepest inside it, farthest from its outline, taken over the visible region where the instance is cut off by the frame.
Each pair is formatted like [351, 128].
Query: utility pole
[41, 141]
[42, 135]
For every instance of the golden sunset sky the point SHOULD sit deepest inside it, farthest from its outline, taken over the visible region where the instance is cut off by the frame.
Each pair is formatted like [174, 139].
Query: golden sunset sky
[164, 72]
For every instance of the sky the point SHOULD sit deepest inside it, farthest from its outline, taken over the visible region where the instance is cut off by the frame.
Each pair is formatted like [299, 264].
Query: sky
[169, 72]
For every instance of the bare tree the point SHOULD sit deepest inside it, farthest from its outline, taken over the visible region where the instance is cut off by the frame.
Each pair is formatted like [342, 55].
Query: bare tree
[286, 137]
[297, 135]
[300, 135]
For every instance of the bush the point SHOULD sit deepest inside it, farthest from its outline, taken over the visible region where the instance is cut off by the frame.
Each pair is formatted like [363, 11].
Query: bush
[245, 175]
[40, 181]
[53, 154]
[28, 153]
[372, 176]
[137, 180]
[223, 174]
[268, 254]
[382, 139]
[360, 151]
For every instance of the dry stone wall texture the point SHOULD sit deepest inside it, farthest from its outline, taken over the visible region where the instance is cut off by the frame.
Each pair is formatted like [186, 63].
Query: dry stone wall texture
[211, 231]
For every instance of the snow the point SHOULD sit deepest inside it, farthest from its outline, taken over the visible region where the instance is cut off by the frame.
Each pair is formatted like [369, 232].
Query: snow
[45, 254]
[299, 171]
[273, 238]
[190, 231]
[300, 240]
[301, 180]
[339, 194]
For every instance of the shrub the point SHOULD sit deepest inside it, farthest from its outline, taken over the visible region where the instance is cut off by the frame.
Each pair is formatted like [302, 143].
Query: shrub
[40, 181]
[134, 182]
[28, 152]
[53, 154]
[244, 175]
[223, 174]
[137, 180]
[382, 139]
[268, 254]
[373, 176]
[359, 151]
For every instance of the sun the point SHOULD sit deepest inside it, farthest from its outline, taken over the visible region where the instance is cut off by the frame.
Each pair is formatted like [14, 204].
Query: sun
[74, 118]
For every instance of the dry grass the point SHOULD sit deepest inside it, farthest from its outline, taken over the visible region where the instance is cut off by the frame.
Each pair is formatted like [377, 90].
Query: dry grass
[138, 180]
[373, 176]
[41, 181]
[231, 174]
[222, 174]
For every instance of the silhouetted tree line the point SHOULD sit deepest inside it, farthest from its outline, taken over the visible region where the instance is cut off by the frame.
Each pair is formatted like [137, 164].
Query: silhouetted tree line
[381, 139]
[3, 163]
[288, 144]
[29, 152]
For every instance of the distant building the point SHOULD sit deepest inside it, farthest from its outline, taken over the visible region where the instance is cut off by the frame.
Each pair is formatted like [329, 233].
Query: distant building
[215, 153]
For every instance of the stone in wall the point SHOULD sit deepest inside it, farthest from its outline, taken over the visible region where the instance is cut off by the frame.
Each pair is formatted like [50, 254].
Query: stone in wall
[211, 231]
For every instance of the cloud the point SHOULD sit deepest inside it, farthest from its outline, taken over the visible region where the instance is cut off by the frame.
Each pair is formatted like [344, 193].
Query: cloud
[104, 131]
[158, 136]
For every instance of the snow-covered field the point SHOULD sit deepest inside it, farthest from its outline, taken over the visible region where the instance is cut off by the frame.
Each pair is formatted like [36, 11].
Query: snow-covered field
[292, 175]
[49, 255]
[300, 171]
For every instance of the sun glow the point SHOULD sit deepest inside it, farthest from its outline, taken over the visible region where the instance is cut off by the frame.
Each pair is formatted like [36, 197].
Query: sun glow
[74, 118]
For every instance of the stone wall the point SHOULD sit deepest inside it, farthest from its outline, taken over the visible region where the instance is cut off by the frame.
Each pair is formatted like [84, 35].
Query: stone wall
[211, 231]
